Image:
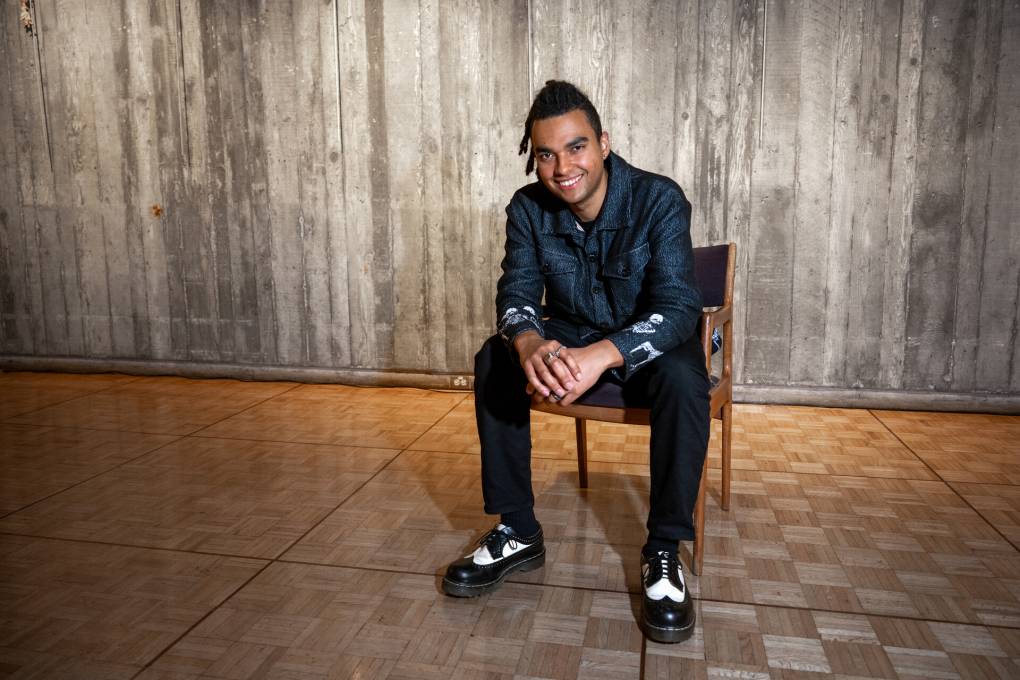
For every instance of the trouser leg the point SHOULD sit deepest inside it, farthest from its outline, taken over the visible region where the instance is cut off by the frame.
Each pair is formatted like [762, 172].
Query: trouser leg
[676, 384]
[503, 415]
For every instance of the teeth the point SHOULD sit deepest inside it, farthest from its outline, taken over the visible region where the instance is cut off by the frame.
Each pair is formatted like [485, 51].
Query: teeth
[570, 182]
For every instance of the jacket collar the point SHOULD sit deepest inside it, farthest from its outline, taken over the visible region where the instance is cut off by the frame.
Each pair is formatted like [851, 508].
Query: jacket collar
[615, 211]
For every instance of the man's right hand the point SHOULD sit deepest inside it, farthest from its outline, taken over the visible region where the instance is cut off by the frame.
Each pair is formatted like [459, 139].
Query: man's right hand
[546, 375]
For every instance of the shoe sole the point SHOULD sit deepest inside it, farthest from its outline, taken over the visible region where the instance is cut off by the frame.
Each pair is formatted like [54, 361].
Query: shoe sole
[667, 635]
[462, 590]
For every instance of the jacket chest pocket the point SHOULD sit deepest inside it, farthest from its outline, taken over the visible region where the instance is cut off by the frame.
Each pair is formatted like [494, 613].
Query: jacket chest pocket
[624, 274]
[560, 273]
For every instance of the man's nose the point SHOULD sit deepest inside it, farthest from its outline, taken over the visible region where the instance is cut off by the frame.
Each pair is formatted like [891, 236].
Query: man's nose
[561, 164]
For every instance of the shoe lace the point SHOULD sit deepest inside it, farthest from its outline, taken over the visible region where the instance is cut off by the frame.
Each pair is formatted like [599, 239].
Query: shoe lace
[496, 540]
[661, 566]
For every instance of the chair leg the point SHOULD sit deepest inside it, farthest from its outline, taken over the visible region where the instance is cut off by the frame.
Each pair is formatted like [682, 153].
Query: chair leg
[699, 522]
[727, 422]
[582, 452]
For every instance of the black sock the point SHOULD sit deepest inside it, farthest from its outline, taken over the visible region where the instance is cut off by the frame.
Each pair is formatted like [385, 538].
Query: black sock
[658, 544]
[523, 522]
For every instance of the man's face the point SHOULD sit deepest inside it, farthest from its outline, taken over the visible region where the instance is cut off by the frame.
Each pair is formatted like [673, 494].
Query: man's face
[571, 161]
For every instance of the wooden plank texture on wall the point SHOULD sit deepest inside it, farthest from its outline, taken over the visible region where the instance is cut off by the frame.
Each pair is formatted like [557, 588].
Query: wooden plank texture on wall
[903, 180]
[769, 278]
[977, 161]
[876, 132]
[25, 180]
[813, 167]
[998, 356]
[322, 185]
[938, 200]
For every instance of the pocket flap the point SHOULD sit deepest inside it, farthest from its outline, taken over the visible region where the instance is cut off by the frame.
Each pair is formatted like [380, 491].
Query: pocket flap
[555, 263]
[625, 265]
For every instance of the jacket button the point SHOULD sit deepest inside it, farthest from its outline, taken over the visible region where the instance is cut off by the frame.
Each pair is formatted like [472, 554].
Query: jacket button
[592, 258]
[596, 289]
[546, 268]
[626, 270]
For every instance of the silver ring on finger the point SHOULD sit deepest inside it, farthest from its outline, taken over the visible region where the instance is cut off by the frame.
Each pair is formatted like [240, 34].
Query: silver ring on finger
[549, 356]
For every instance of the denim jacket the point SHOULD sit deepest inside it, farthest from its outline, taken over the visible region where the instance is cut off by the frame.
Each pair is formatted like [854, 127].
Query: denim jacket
[629, 278]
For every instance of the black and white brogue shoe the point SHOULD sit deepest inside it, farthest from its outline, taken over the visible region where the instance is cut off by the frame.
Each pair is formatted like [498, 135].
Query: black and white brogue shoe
[667, 612]
[500, 553]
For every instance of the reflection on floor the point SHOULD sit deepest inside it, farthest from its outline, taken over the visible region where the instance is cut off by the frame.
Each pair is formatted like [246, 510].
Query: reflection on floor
[165, 528]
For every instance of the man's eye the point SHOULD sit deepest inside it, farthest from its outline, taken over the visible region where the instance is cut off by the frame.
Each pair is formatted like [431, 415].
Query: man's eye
[577, 147]
[544, 156]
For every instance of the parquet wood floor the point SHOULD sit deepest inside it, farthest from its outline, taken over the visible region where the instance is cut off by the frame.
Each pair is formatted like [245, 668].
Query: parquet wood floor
[39, 461]
[156, 405]
[961, 447]
[164, 528]
[766, 438]
[22, 392]
[338, 414]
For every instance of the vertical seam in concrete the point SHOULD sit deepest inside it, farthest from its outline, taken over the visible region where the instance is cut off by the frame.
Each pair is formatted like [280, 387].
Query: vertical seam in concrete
[343, 175]
[764, 49]
[184, 89]
[420, 185]
[853, 218]
[832, 177]
[5, 255]
[965, 165]
[86, 315]
[984, 239]
[748, 247]
[1011, 362]
[531, 54]
[42, 82]
[918, 103]
[796, 197]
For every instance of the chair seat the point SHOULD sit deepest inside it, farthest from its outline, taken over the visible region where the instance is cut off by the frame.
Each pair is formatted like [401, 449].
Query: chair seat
[610, 394]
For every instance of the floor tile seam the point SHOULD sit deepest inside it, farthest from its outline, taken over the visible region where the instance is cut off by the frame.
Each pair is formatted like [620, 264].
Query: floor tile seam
[711, 467]
[629, 593]
[300, 442]
[176, 439]
[103, 429]
[202, 619]
[133, 546]
[133, 379]
[950, 486]
[285, 560]
[438, 420]
[339, 505]
[279, 558]
[248, 408]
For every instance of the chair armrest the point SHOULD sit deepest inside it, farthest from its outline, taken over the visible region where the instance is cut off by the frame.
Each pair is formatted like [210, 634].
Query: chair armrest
[718, 316]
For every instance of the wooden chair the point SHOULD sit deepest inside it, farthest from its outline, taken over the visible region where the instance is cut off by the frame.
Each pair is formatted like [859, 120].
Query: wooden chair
[714, 267]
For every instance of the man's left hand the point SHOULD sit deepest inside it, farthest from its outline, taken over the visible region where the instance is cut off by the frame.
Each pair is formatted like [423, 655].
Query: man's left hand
[593, 360]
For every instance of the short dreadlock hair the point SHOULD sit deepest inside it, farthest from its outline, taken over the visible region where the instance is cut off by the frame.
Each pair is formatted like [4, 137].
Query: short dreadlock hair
[556, 98]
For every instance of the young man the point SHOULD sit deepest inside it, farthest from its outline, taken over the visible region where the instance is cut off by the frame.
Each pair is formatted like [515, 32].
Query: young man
[610, 247]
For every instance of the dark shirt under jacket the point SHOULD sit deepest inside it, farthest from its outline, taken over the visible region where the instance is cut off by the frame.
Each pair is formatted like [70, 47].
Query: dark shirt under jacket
[629, 278]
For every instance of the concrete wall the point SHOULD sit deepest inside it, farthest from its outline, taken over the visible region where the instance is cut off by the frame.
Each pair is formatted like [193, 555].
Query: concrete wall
[321, 184]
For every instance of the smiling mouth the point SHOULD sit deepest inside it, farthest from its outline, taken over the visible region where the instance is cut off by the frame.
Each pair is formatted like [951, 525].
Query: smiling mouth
[569, 183]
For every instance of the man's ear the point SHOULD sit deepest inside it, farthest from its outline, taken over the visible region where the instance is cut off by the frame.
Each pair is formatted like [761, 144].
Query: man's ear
[604, 143]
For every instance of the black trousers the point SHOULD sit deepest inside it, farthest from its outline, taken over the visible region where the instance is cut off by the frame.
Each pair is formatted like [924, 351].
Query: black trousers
[674, 385]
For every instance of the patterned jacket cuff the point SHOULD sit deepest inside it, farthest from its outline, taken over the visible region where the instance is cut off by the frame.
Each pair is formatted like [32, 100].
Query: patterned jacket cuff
[636, 350]
[515, 321]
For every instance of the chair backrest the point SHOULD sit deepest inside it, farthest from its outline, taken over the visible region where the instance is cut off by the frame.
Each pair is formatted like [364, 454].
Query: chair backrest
[710, 264]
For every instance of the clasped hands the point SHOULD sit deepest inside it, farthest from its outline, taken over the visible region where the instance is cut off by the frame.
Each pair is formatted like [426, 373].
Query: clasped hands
[560, 374]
